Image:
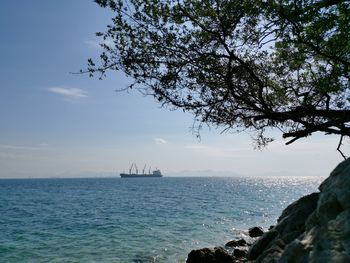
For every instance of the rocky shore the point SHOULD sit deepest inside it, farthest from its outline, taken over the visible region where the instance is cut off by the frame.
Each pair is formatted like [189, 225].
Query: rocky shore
[315, 228]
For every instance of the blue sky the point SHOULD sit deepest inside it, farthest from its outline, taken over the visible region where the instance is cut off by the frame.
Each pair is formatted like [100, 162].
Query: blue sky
[53, 123]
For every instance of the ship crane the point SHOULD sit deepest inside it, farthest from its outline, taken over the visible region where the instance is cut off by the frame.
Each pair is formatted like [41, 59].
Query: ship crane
[131, 168]
[137, 171]
[143, 170]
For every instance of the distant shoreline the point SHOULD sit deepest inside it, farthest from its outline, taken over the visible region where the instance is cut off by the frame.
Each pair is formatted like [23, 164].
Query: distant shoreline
[173, 176]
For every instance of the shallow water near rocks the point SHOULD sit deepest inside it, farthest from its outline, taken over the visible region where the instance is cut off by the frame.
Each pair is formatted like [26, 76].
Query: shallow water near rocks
[135, 220]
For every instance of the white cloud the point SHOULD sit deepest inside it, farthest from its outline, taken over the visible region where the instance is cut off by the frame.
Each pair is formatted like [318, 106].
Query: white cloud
[19, 147]
[160, 141]
[68, 92]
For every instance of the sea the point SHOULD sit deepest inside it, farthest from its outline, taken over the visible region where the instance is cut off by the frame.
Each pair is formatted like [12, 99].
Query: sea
[140, 220]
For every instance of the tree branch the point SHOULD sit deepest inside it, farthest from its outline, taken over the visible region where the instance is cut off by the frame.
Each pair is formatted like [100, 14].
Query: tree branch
[339, 145]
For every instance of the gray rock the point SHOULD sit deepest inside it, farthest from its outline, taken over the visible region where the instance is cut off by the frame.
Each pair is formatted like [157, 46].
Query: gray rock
[294, 216]
[314, 229]
[291, 224]
[261, 244]
[239, 253]
[255, 231]
[289, 237]
[327, 235]
[207, 255]
[236, 243]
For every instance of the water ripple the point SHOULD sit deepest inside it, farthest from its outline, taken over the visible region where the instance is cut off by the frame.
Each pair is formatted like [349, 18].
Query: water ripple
[135, 220]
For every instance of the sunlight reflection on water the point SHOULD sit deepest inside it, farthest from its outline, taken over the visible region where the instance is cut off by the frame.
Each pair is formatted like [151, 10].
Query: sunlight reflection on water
[135, 220]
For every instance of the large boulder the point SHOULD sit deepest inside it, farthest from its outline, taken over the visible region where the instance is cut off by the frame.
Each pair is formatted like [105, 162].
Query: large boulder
[290, 225]
[316, 228]
[327, 235]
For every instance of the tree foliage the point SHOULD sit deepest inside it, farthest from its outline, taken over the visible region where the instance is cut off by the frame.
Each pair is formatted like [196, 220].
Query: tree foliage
[237, 64]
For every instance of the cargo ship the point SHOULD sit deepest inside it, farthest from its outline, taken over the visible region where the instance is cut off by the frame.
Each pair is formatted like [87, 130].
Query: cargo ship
[136, 174]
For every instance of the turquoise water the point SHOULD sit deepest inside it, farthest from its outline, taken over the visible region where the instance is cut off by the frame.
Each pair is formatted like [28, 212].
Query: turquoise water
[134, 220]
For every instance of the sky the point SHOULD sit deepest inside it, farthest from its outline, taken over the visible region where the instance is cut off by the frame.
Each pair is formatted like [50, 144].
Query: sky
[57, 124]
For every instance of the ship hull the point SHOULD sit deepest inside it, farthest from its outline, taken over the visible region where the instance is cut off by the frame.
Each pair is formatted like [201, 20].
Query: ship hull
[139, 175]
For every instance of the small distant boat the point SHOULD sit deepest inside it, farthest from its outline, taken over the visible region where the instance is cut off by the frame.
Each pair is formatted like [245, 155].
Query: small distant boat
[136, 174]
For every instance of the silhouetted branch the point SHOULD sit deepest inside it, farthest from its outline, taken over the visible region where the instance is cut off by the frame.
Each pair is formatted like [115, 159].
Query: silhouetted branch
[339, 145]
